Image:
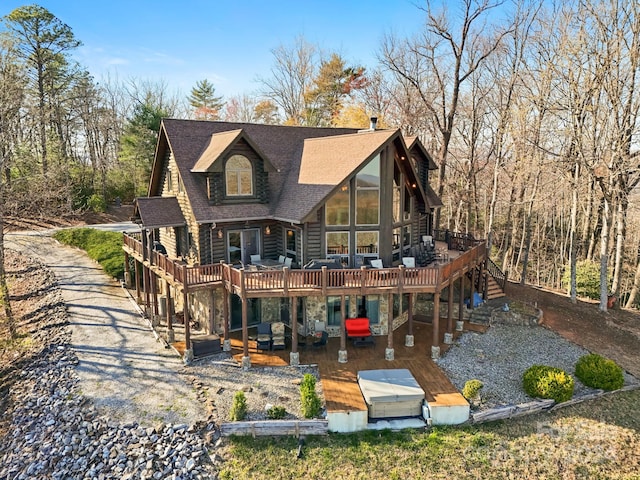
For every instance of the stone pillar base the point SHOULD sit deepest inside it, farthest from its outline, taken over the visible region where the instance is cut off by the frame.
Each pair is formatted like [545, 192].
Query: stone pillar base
[389, 354]
[435, 353]
[459, 326]
[155, 320]
[342, 356]
[127, 279]
[448, 338]
[246, 363]
[188, 356]
[408, 341]
[171, 335]
[226, 346]
[294, 359]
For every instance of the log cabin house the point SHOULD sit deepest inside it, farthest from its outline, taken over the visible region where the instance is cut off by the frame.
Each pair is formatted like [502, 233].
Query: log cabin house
[247, 223]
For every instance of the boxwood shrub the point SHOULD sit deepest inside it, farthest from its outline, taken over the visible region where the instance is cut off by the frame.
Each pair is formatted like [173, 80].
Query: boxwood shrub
[543, 381]
[598, 372]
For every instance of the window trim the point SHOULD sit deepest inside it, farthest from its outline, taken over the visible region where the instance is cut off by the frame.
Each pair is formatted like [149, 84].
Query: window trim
[238, 172]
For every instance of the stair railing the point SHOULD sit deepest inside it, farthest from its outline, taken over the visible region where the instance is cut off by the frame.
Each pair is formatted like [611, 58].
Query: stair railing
[498, 275]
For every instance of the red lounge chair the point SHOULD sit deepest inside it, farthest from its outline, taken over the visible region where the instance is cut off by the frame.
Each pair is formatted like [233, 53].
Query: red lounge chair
[358, 330]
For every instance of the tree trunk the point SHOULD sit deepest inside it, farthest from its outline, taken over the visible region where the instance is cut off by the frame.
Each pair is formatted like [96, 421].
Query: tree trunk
[572, 238]
[636, 284]
[4, 289]
[621, 230]
[604, 256]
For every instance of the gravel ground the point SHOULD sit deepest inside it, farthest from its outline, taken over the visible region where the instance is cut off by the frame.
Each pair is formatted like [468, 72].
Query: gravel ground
[219, 377]
[500, 356]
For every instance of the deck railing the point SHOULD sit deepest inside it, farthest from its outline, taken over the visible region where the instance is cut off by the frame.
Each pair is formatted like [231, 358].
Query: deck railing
[285, 281]
[456, 240]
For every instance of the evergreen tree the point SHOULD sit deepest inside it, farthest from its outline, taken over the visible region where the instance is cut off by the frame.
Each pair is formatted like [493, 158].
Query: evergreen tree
[203, 99]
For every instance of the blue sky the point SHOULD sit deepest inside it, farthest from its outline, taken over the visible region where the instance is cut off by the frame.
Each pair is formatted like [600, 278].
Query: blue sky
[227, 42]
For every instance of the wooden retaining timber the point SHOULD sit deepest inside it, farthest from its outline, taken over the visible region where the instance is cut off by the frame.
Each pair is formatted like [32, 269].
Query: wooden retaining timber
[267, 428]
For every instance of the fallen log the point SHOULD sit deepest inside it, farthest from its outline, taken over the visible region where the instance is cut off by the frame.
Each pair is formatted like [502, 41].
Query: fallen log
[261, 428]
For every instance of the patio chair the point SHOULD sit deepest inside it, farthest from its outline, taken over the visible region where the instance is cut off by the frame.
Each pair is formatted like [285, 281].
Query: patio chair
[264, 336]
[255, 258]
[377, 263]
[281, 259]
[287, 262]
[409, 262]
[277, 336]
[322, 341]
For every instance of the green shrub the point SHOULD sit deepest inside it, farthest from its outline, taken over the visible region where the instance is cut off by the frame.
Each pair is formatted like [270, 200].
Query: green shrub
[276, 413]
[599, 372]
[239, 406]
[587, 279]
[104, 247]
[471, 389]
[310, 400]
[97, 203]
[542, 381]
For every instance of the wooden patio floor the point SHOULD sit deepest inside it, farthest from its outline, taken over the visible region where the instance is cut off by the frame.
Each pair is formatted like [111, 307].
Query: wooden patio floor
[339, 380]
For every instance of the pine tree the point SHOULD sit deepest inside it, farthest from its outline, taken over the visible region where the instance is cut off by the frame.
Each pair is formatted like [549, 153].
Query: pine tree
[203, 99]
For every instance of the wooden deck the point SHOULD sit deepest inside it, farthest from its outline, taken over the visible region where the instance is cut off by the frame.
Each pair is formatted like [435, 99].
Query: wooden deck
[339, 380]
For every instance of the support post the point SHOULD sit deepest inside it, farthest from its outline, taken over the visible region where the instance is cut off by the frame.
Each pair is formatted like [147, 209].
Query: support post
[448, 336]
[435, 341]
[389, 353]
[127, 273]
[294, 356]
[137, 274]
[246, 360]
[171, 336]
[145, 285]
[342, 353]
[226, 345]
[460, 322]
[409, 339]
[188, 352]
[212, 312]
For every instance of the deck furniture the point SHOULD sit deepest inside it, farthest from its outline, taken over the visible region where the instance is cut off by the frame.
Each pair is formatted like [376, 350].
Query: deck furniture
[391, 393]
[409, 262]
[278, 336]
[322, 341]
[204, 345]
[264, 336]
[255, 259]
[359, 331]
[377, 263]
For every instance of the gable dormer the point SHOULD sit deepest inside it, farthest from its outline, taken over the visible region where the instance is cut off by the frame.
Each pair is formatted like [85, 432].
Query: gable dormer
[235, 169]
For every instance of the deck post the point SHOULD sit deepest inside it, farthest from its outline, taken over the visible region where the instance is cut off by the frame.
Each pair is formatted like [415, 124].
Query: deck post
[137, 274]
[435, 341]
[145, 286]
[294, 356]
[171, 336]
[226, 345]
[188, 352]
[409, 339]
[154, 298]
[460, 322]
[448, 336]
[342, 353]
[472, 290]
[246, 360]
[212, 312]
[389, 353]
[127, 273]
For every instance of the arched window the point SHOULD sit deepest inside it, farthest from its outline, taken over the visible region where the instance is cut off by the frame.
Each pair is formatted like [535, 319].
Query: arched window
[239, 175]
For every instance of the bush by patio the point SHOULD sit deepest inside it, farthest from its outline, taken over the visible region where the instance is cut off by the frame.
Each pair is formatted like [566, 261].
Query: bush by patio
[598, 372]
[311, 403]
[542, 381]
[239, 407]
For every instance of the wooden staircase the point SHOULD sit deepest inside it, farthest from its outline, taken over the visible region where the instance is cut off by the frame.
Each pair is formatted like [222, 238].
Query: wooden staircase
[494, 290]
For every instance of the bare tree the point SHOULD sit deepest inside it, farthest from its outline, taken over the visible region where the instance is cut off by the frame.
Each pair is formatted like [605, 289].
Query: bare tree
[291, 77]
[439, 61]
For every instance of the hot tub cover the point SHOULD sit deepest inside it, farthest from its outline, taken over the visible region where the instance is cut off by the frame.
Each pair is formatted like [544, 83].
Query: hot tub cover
[389, 385]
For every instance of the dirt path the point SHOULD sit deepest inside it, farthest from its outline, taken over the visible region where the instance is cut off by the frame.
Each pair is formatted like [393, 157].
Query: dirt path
[127, 373]
[614, 334]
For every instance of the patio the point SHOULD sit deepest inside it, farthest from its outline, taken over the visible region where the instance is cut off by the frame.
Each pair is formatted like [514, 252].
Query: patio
[343, 399]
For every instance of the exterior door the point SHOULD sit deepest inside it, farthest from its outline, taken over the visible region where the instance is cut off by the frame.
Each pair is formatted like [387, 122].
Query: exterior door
[242, 244]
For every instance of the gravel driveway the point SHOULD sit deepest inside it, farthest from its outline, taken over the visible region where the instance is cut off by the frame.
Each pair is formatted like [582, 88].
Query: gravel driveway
[123, 369]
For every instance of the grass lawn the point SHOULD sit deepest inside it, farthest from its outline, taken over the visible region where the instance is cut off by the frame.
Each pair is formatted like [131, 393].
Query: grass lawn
[597, 439]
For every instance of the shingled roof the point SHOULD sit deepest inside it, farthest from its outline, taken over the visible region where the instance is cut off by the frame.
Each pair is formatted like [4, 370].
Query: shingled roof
[158, 212]
[305, 164]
